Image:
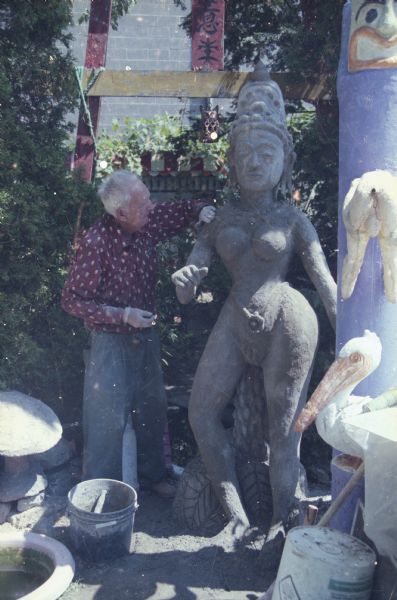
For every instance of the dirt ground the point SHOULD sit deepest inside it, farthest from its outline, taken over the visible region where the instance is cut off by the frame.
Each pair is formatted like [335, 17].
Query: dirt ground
[171, 564]
[167, 563]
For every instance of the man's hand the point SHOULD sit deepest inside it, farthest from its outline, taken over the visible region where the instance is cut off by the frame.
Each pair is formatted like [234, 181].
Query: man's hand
[207, 214]
[136, 317]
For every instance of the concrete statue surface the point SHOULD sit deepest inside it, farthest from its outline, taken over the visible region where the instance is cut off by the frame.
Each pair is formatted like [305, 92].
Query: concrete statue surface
[265, 324]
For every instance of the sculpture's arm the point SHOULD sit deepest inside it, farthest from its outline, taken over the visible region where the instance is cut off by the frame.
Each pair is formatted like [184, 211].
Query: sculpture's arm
[313, 258]
[189, 277]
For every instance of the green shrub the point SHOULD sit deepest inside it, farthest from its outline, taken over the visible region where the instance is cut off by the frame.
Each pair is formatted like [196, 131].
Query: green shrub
[38, 202]
[127, 143]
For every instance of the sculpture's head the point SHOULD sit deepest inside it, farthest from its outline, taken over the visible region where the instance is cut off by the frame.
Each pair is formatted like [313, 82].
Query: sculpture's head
[261, 152]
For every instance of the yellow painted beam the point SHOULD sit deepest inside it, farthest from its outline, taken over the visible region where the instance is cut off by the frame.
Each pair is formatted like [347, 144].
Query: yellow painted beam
[195, 84]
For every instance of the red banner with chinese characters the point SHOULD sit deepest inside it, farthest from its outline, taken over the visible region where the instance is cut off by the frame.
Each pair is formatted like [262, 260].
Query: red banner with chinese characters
[207, 34]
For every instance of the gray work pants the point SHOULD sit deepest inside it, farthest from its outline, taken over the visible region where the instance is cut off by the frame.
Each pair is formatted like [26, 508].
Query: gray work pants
[123, 374]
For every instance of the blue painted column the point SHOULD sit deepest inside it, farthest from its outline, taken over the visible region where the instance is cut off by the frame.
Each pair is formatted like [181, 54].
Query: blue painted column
[368, 141]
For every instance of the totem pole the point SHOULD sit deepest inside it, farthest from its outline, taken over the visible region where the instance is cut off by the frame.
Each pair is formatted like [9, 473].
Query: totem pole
[367, 262]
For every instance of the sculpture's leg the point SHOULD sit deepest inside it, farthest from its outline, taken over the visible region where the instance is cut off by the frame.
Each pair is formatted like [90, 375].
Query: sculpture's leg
[286, 371]
[216, 378]
[356, 244]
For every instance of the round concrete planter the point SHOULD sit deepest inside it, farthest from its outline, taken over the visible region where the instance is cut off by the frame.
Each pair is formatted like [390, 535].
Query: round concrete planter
[54, 558]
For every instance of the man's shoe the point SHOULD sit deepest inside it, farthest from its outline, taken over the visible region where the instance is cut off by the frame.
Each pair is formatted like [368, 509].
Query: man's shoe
[166, 488]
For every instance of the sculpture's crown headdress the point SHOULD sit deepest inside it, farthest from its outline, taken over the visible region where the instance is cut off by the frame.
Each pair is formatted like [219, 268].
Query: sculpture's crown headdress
[262, 97]
[260, 105]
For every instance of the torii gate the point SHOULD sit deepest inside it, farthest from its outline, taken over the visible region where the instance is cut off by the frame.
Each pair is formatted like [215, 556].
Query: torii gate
[207, 79]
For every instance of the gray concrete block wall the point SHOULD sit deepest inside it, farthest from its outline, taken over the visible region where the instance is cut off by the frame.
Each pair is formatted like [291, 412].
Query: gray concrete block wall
[148, 38]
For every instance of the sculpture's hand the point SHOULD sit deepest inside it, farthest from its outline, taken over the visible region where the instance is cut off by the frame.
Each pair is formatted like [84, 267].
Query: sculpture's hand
[186, 281]
[189, 275]
[136, 317]
[207, 214]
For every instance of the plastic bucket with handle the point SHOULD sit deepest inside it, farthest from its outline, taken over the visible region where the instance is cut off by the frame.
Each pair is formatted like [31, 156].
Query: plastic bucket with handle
[102, 513]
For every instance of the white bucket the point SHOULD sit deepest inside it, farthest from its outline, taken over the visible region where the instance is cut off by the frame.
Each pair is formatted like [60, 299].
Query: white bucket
[319, 563]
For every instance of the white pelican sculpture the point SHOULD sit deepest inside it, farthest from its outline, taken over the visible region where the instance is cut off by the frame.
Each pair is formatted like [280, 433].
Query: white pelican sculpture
[340, 423]
[332, 402]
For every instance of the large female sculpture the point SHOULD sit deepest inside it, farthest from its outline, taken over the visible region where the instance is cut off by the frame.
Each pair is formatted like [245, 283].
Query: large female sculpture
[264, 322]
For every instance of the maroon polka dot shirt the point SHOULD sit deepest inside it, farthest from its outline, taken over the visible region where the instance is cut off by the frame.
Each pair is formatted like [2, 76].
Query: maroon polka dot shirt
[114, 269]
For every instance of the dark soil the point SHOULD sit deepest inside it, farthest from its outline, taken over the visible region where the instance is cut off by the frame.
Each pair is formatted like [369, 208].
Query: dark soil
[171, 564]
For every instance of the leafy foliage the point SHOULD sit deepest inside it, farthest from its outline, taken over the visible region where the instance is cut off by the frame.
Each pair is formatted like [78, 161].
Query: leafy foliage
[315, 175]
[38, 199]
[127, 143]
[300, 36]
[119, 8]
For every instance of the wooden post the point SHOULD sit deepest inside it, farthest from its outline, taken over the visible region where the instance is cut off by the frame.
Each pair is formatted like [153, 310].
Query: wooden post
[98, 31]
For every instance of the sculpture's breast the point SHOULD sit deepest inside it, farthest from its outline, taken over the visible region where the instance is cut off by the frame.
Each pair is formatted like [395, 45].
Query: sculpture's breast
[231, 242]
[270, 244]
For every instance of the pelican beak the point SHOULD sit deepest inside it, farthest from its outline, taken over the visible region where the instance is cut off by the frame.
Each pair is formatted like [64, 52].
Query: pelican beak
[344, 373]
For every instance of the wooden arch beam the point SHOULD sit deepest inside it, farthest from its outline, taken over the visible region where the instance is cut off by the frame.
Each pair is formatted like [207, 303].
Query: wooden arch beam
[198, 84]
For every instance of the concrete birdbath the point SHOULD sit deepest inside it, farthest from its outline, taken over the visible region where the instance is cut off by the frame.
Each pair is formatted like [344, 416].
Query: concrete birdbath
[27, 427]
[33, 567]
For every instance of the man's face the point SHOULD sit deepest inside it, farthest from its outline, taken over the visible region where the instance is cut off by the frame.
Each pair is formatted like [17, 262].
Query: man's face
[135, 215]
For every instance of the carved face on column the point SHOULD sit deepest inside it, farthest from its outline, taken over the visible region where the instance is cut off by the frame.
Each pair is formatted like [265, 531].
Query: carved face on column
[258, 160]
[373, 35]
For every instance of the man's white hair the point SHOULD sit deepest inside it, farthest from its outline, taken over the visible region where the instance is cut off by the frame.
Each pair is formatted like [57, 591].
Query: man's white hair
[115, 190]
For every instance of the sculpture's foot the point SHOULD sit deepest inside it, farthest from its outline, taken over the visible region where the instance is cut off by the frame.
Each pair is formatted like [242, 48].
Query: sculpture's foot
[237, 529]
[234, 534]
[270, 555]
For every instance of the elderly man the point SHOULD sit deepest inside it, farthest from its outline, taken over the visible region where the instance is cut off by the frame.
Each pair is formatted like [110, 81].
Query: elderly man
[111, 286]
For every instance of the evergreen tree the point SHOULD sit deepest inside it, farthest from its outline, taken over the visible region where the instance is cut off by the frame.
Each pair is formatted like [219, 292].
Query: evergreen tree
[38, 198]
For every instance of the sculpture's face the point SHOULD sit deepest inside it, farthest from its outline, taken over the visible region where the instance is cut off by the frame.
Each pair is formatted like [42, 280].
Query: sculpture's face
[258, 160]
[373, 35]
